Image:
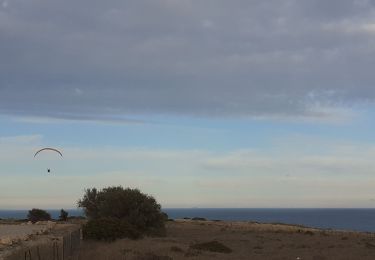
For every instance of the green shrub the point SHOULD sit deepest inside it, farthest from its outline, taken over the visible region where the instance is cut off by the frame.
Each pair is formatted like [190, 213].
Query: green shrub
[35, 215]
[138, 213]
[109, 229]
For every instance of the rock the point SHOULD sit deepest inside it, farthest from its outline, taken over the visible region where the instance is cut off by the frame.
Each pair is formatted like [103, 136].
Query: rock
[6, 241]
[23, 237]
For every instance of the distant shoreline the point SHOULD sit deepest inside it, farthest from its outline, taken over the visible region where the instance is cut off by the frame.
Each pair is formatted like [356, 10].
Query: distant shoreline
[354, 219]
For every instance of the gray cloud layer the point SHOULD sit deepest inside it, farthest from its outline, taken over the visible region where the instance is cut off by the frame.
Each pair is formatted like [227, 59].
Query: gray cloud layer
[209, 57]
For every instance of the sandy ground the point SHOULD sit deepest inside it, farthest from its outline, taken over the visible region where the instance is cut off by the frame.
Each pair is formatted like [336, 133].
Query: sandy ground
[18, 238]
[13, 231]
[246, 240]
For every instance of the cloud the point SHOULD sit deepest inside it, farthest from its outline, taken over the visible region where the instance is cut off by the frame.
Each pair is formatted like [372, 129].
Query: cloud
[56, 118]
[206, 58]
[4, 4]
[20, 139]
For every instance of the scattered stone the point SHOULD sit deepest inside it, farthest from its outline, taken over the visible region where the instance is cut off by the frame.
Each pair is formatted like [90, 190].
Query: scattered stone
[6, 241]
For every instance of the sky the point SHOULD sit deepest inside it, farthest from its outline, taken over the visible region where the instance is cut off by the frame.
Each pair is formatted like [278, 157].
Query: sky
[209, 103]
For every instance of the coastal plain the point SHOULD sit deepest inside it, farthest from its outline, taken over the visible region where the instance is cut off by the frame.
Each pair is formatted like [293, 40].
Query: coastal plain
[198, 239]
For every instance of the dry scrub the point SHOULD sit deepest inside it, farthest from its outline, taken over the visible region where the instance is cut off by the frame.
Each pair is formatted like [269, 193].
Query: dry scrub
[188, 239]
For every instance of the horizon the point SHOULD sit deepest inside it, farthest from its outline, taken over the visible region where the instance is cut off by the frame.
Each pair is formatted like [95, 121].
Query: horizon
[76, 209]
[208, 105]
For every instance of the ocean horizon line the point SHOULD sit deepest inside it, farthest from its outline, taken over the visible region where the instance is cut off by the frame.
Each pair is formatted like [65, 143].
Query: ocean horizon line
[265, 208]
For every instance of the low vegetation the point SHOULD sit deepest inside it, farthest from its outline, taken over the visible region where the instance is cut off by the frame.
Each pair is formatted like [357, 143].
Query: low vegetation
[176, 249]
[153, 256]
[212, 246]
[198, 218]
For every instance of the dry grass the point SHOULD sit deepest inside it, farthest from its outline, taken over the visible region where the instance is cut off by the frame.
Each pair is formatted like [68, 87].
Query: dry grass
[246, 240]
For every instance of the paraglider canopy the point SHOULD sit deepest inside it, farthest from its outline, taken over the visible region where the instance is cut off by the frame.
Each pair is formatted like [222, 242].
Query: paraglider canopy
[48, 149]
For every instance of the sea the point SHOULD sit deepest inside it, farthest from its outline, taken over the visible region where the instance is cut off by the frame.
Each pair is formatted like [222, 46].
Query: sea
[338, 219]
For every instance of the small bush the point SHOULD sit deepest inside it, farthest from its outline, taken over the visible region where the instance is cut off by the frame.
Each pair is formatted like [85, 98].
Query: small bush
[213, 246]
[36, 215]
[197, 218]
[63, 215]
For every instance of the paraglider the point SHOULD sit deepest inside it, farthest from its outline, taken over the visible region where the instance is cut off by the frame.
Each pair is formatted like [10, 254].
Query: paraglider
[48, 149]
